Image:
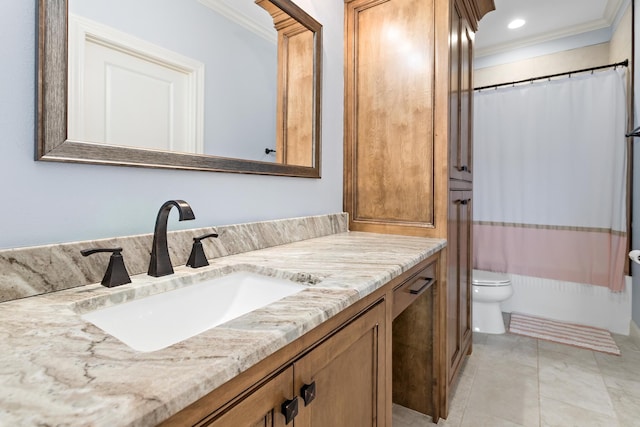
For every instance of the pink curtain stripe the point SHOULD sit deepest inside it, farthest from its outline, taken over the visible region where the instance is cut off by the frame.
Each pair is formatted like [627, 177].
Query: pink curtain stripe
[592, 257]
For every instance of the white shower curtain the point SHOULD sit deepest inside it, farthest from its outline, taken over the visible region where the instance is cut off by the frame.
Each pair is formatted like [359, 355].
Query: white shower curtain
[550, 179]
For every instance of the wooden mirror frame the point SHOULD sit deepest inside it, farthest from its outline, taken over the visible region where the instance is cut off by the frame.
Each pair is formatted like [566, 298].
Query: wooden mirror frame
[52, 143]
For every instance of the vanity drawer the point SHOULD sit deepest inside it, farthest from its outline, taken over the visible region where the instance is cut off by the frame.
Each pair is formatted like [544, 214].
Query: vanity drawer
[407, 292]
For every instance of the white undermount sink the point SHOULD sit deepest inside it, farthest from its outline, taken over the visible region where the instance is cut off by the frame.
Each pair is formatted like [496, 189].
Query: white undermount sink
[158, 321]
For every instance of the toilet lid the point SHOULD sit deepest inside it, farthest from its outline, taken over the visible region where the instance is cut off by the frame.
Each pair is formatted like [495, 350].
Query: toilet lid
[490, 278]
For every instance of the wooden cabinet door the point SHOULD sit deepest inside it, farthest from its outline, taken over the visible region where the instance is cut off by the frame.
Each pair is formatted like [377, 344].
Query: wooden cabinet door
[460, 97]
[459, 276]
[339, 381]
[465, 267]
[261, 408]
[343, 377]
[389, 116]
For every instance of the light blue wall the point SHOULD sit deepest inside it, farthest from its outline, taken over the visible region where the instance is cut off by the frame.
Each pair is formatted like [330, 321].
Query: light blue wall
[56, 202]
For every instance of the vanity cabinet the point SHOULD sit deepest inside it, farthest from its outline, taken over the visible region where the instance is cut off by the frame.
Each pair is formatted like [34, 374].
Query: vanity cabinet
[345, 374]
[393, 153]
[459, 276]
[460, 219]
[415, 338]
[338, 381]
[461, 98]
[408, 142]
[339, 373]
[261, 408]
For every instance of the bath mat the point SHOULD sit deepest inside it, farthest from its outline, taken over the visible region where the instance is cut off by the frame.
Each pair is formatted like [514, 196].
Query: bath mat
[588, 337]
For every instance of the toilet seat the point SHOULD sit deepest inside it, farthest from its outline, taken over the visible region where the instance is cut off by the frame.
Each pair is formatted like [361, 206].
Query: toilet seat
[489, 278]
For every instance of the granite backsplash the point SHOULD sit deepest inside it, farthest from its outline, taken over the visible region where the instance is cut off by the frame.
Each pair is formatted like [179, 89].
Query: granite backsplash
[37, 270]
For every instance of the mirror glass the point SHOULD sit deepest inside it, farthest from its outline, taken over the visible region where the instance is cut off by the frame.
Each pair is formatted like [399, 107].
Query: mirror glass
[228, 85]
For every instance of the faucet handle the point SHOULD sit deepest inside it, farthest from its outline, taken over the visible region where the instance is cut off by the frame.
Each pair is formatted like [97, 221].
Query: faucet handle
[198, 258]
[116, 273]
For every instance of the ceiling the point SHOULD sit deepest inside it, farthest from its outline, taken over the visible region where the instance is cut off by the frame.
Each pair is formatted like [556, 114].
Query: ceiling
[546, 20]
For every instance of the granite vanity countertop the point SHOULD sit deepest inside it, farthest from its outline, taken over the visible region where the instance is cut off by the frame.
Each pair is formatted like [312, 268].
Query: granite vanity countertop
[57, 369]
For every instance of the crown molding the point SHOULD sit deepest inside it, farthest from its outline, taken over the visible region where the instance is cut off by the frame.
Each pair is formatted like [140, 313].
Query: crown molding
[267, 32]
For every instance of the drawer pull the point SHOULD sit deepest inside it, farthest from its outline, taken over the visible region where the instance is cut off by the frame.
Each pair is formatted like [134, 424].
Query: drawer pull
[308, 392]
[420, 285]
[290, 409]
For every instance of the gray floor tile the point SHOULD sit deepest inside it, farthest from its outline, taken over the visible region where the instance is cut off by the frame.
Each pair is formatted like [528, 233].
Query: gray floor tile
[405, 417]
[574, 384]
[625, 366]
[627, 407]
[493, 393]
[626, 343]
[480, 419]
[567, 353]
[560, 414]
[506, 348]
[514, 381]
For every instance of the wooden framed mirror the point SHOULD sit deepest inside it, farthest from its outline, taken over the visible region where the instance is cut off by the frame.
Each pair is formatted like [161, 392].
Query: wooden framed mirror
[296, 139]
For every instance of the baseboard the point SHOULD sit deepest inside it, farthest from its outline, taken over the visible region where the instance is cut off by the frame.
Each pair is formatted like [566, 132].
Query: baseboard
[571, 302]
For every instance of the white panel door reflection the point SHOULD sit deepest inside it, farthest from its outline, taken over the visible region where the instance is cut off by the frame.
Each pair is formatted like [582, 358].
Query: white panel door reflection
[130, 93]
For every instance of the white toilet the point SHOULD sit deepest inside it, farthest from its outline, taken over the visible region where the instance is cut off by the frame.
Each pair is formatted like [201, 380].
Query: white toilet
[488, 290]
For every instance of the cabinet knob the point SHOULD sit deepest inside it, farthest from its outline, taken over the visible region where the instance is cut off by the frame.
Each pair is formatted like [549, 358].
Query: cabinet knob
[290, 409]
[463, 168]
[308, 392]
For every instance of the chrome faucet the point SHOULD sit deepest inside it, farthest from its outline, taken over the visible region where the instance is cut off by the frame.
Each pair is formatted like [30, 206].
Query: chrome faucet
[160, 264]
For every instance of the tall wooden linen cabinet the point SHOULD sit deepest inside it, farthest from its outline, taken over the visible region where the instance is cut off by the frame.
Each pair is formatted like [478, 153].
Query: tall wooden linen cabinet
[408, 146]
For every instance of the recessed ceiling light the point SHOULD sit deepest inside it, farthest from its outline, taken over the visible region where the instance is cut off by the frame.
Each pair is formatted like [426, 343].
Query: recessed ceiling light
[516, 23]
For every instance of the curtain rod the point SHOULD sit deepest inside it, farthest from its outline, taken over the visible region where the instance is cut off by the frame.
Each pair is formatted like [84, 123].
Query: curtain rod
[624, 63]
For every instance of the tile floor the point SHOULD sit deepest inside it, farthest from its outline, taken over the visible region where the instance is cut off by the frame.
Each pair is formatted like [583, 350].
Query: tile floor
[513, 381]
